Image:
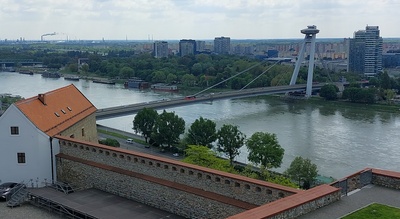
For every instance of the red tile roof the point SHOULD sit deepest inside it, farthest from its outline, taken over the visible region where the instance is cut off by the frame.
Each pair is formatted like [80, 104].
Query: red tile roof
[57, 110]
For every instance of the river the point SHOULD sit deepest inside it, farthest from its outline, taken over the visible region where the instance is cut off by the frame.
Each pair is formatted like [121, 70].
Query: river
[340, 140]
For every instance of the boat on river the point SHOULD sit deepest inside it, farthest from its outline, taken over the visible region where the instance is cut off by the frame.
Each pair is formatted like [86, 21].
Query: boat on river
[26, 72]
[164, 87]
[136, 83]
[72, 78]
[47, 74]
[104, 81]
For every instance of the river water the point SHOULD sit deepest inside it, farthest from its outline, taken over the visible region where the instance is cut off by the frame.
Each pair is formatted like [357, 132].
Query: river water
[340, 140]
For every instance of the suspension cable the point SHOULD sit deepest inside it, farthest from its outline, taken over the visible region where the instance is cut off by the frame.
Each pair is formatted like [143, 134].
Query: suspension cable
[260, 75]
[247, 69]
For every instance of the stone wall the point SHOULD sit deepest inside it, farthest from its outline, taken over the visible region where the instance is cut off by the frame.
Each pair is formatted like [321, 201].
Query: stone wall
[295, 205]
[163, 197]
[162, 182]
[231, 185]
[85, 129]
[390, 179]
[386, 178]
[307, 207]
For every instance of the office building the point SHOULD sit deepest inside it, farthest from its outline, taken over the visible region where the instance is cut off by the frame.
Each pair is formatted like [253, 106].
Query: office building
[200, 46]
[365, 52]
[187, 47]
[222, 45]
[160, 49]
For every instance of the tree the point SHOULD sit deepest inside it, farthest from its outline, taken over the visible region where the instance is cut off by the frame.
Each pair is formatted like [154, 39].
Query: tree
[144, 122]
[197, 69]
[188, 80]
[110, 142]
[230, 140]
[385, 82]
[202, 132]
[264, 149]
[171, 78]
[167, 129]
[329, 92]
[302, 170]
[360, 95]
[126, 72]
[205, 157]
[73, 67]
[389, 95]
[159, 76]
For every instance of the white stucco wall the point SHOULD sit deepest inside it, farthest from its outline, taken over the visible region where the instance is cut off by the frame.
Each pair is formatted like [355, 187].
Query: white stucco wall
[31, 141]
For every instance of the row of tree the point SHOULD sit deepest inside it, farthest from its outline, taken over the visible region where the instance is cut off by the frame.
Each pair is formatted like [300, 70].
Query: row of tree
[201, 70]
[381, 88]
[164, 130]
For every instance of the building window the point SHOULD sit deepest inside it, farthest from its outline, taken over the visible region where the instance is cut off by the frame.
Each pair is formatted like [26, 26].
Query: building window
[72, 136]
[14, 130]
[21, 157]
[83, 132]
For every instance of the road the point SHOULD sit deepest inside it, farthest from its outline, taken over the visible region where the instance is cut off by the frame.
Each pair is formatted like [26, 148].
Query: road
[134, 146]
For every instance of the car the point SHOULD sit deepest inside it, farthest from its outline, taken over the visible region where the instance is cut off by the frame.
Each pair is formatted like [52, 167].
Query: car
[175, 155]
[129, 141]
[8, 189]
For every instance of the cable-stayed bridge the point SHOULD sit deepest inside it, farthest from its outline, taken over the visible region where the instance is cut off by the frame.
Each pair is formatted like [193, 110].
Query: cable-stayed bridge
[310, 34]
[130, 109]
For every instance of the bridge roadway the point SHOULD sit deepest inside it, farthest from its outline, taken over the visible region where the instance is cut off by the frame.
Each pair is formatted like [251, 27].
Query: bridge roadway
[111, 112]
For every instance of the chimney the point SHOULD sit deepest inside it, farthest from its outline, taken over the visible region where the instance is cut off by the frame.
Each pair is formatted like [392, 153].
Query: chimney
[42, 98]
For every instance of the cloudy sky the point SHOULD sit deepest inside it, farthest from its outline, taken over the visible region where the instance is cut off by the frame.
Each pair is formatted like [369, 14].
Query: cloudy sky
[193, 19]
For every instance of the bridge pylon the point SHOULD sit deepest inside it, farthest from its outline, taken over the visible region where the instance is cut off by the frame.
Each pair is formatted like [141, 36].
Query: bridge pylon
[310, 35]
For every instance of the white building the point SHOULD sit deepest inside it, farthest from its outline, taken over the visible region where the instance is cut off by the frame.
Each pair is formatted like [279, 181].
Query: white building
[28, 129]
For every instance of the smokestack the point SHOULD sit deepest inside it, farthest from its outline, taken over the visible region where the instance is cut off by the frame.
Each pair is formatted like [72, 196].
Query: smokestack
[42, 98]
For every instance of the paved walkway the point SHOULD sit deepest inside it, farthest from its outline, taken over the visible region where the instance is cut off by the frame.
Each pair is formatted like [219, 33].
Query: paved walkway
[103, 205]
[356, 200]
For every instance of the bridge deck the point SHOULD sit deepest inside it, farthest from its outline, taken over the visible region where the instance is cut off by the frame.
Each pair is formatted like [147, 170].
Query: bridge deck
[99, 204]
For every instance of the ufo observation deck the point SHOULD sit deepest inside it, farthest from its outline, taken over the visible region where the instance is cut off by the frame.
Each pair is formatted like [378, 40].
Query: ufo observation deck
[310, 30]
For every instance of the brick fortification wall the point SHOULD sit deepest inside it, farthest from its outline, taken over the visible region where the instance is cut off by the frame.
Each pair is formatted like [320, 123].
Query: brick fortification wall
[295, 205]
[183, 189]
[386, 178]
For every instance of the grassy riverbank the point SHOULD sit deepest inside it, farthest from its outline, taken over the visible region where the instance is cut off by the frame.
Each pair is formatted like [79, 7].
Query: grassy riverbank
[339, 104]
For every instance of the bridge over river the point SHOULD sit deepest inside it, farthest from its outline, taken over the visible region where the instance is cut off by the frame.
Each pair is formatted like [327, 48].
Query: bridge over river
[130, 109]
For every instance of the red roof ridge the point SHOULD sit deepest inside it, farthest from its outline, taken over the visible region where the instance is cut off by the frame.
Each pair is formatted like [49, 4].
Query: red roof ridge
[55, 111]
[65, 120]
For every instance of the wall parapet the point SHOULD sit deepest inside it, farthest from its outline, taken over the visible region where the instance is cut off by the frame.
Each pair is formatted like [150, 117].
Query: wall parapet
[295, 205]
[229, 190]
[357, 180]
[386, 178]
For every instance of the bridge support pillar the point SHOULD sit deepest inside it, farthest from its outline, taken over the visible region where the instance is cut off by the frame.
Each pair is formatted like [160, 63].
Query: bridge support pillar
[310, 36]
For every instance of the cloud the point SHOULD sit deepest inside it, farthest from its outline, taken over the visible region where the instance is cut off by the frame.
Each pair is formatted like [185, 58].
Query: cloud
[177, 19]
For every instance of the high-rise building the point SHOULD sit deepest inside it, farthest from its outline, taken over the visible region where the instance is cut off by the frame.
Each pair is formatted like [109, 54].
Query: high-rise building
[365, 52]
[200, 46]
[187, 47]
[222, 45]
[160, 49]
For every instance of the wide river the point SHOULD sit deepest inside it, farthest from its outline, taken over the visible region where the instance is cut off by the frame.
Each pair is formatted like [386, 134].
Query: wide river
[340, 140]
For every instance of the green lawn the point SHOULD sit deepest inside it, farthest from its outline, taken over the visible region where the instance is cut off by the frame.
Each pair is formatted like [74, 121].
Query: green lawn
[375, 211]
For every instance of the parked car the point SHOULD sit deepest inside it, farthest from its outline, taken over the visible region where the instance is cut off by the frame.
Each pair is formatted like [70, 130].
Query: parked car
[8, 189]
[129, 140]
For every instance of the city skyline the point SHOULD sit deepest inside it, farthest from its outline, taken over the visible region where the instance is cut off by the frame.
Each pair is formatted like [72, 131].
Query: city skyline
[192, 19]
